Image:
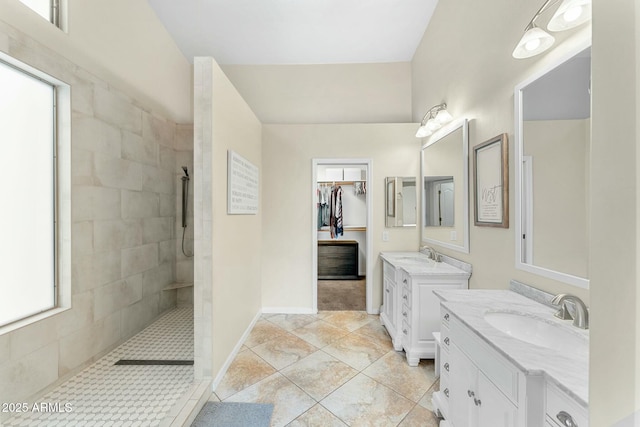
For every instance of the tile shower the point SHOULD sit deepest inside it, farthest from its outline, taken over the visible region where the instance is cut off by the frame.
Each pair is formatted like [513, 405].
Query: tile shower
[125, 227]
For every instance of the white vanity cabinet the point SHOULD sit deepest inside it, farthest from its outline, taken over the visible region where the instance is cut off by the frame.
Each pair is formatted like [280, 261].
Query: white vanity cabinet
[389, 315]
[481, 387]
[420, 311]
[561, 410]
[410, 310]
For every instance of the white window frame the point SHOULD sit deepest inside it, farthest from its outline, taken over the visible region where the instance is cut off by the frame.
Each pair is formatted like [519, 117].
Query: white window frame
[62, 193]
[57, 13]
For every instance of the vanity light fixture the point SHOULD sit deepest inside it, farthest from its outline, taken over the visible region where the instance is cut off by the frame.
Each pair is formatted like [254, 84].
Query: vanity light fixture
[535, 40]
[433, 120]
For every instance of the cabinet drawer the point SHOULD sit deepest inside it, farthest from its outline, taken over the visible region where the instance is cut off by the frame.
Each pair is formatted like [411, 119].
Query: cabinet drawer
[559, 407]
[497, 369]
[406, 313]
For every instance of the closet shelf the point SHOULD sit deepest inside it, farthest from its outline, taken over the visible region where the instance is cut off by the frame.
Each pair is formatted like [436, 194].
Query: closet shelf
[341, 182]
[345, 228]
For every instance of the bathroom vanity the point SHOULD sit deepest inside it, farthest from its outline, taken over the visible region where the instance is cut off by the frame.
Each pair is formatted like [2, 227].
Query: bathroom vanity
[506, 361]
[410, 310]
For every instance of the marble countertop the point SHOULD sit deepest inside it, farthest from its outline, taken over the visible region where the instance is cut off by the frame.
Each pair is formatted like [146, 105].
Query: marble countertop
[416, 263]
[570, 372]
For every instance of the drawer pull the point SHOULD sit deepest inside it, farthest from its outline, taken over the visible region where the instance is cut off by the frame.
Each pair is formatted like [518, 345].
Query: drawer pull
[387, 290]
[446, 366]
[405, 297]
[477, 402]
[446, 316]
[404, 331]
[566, 419]
[404, 313]
[404, 280]
[470, 393]
[446, 340]
[446, 392]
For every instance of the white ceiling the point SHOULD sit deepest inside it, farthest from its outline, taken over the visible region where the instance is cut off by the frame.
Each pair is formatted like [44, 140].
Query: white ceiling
[296, 31]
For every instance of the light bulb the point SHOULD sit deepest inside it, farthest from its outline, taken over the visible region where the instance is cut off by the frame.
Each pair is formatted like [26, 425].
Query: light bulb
[532, 44]
[433, 125]
[443, 117]
[423, 132]
[572, 14]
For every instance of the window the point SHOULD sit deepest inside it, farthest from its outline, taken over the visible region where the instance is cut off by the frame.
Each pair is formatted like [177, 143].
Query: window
[48, 9]
[28, 189]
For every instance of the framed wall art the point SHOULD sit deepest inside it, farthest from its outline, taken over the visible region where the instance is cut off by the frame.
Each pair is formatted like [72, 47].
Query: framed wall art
[491, 176]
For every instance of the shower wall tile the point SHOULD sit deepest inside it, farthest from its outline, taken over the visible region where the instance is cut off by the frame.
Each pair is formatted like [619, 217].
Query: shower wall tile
[117, 173]
[117, 234]
[167, 159]
[81, 314]
[27, 340]
[139, 259]
[82, 237]
[91, 202]
[168, 204]
[156, 230]
[95, 135]
[34, 371]
[82, 167]
[140, 204]
[125, 187]
[117, 109]
[135, 148]
[157, 180]
[94, 270]
[113, 296]
[159, 130]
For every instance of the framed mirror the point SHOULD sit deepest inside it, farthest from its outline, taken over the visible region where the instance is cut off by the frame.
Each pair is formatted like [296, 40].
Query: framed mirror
[401, 201]
[444, 178]
[553, 140]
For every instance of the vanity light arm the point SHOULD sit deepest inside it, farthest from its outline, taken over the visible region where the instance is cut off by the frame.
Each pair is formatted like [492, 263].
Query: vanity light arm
[547, 5]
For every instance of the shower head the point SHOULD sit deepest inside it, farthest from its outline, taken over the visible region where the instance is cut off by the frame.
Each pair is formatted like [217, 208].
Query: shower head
[186, 171]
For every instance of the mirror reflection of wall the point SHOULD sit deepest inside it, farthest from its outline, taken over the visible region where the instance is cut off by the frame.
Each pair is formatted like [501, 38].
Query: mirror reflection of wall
[445, 190]
[439, 194]
[401, 201]
[556, 140]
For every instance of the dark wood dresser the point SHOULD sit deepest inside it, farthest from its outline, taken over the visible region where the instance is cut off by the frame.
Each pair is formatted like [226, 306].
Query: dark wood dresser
[337, 259]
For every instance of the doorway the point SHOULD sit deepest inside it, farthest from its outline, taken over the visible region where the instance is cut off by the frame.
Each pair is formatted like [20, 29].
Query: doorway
[344, 269]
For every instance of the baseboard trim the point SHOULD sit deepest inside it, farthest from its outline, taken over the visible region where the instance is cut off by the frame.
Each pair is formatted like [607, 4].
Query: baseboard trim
[234, 353]
[288, 310]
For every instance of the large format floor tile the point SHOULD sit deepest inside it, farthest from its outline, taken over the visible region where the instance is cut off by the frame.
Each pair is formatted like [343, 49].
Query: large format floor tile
[352, 377]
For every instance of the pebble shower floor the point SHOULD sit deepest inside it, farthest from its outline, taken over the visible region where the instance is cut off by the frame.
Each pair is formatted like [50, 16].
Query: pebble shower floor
[133, 396]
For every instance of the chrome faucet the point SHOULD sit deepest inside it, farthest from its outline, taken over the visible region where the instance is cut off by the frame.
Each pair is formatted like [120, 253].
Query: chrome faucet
[430, 252]
[581, 319]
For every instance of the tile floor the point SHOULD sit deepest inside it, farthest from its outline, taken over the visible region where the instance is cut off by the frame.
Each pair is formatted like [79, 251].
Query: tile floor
[335, 368]
[108, 395]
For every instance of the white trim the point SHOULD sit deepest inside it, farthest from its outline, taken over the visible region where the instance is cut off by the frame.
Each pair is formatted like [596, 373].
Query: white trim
[288, 310]
[234, 353]
[368, 233]
[570, 279]
[453, 126]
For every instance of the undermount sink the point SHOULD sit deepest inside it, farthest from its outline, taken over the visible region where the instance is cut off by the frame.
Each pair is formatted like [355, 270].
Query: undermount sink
[537, 331]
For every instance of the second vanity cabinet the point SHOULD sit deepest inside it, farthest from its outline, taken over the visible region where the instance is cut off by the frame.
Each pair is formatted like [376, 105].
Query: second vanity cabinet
[480, 386]
[411, 311]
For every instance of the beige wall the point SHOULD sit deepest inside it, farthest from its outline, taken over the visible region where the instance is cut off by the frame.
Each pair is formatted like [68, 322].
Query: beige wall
[122, 215]
[334, 93]
[289, 216]
[228, 259]
[123, 43]
[473, 71]
[615, 300]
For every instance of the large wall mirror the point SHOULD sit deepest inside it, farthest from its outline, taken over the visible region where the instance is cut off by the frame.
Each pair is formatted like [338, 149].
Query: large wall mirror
[444, 216]
[553, 141]
[401, 205]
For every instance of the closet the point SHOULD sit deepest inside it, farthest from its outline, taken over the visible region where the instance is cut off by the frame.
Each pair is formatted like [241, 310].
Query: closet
[341, 227]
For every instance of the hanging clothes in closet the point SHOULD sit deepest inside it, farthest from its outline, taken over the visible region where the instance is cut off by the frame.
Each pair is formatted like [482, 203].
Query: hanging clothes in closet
[335, 213]
[323, 193]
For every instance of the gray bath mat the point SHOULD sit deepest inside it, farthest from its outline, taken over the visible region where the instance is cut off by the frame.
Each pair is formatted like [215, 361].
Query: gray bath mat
[234, 414]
